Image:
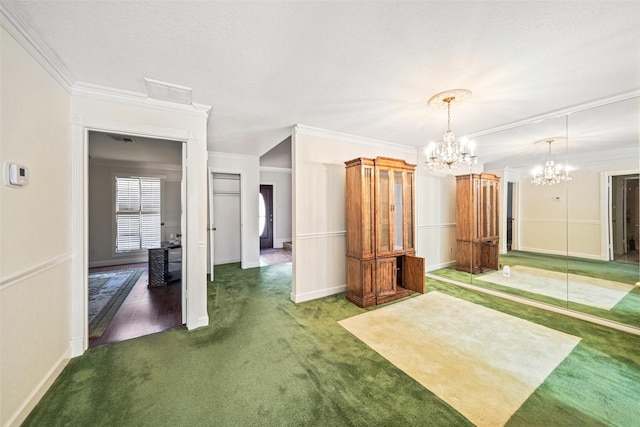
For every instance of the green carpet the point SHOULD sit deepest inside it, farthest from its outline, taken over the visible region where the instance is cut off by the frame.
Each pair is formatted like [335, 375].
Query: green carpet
[265, 361]
[107, 292]
[626, 311]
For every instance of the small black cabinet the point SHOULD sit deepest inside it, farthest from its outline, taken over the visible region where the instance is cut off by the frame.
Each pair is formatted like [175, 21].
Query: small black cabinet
[164, 264]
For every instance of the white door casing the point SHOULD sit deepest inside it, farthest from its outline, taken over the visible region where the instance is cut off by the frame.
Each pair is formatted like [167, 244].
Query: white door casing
[210, 227]
[226, 210]
[194, 309]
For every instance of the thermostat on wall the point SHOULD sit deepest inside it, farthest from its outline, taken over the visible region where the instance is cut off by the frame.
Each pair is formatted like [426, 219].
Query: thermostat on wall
[16, 175]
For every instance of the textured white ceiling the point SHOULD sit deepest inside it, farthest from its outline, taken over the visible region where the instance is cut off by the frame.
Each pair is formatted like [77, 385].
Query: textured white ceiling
[363, 68]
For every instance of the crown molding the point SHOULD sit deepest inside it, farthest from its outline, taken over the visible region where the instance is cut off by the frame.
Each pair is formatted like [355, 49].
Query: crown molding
[89, 90]
[17, 27]
[557, 113]
[338, 136]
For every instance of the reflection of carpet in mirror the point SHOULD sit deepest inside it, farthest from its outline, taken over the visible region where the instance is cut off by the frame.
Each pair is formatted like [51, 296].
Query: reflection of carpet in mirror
[585, 290]
[482, 362]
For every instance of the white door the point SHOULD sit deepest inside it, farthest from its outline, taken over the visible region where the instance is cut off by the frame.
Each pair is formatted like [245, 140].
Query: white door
[226, 225]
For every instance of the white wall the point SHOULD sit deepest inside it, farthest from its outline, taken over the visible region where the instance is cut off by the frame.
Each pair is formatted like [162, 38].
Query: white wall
[280, 178]
[583, 215]
[436, 218]
[35, 233]
[543, 218]
[318, 206]
[248, 167]
[101, 207]
[562, 219]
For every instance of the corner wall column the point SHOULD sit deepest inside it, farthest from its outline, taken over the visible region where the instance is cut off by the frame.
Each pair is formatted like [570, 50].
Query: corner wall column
[79, 265]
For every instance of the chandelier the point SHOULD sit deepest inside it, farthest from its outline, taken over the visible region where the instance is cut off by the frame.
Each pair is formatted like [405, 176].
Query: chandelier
[449, 153]
[550, 173]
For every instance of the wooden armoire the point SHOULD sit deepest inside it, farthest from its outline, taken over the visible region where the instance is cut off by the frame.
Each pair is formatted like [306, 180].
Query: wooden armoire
[380, 227]
[477, 222]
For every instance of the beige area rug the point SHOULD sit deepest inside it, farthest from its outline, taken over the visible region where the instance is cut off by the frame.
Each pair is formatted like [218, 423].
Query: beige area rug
[585, 290]
[482, 362]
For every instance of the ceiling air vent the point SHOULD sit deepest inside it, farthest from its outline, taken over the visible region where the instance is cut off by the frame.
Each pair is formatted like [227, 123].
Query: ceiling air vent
[168, 91]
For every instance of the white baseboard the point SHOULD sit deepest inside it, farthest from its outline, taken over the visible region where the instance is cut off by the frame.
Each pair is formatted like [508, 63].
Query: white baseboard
[34, 397]
[226, 261]
[563, 253]
[197, 322]
[308, 296]
[441, 265]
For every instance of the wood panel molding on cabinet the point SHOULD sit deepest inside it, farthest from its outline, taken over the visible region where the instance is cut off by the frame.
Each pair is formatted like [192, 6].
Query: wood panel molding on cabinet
[380, 231]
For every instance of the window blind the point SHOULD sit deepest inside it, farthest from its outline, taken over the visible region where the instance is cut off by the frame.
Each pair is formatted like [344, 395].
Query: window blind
[138, 201]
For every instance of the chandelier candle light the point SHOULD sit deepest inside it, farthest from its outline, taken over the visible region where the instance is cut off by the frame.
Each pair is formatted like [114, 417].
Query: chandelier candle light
[550, 173]
[448, 154]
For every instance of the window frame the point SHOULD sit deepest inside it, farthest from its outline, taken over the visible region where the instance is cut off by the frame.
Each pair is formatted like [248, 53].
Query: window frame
[114, 182]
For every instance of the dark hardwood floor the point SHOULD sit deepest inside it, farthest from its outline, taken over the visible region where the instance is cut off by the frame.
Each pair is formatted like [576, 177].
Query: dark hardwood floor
[145, 310]
[274, 256]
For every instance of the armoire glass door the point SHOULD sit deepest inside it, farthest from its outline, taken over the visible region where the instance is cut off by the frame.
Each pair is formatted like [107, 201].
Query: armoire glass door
[384, 211]
[398, 211]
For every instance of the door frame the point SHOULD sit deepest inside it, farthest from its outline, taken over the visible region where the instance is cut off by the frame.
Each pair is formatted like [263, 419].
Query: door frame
[633, 230]
[210, 227]
[273, 213]
[514, 177]
[80, 210]
[514, 215]
[606, 211]
[211, 171]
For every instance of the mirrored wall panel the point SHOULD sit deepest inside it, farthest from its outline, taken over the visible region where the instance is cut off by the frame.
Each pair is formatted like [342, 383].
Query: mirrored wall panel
[564, 197]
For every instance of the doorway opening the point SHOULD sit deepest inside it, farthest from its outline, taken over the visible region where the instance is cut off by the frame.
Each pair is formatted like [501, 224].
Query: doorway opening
[269, 254]
[625, 221]
[134, 208]
[509, 216]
